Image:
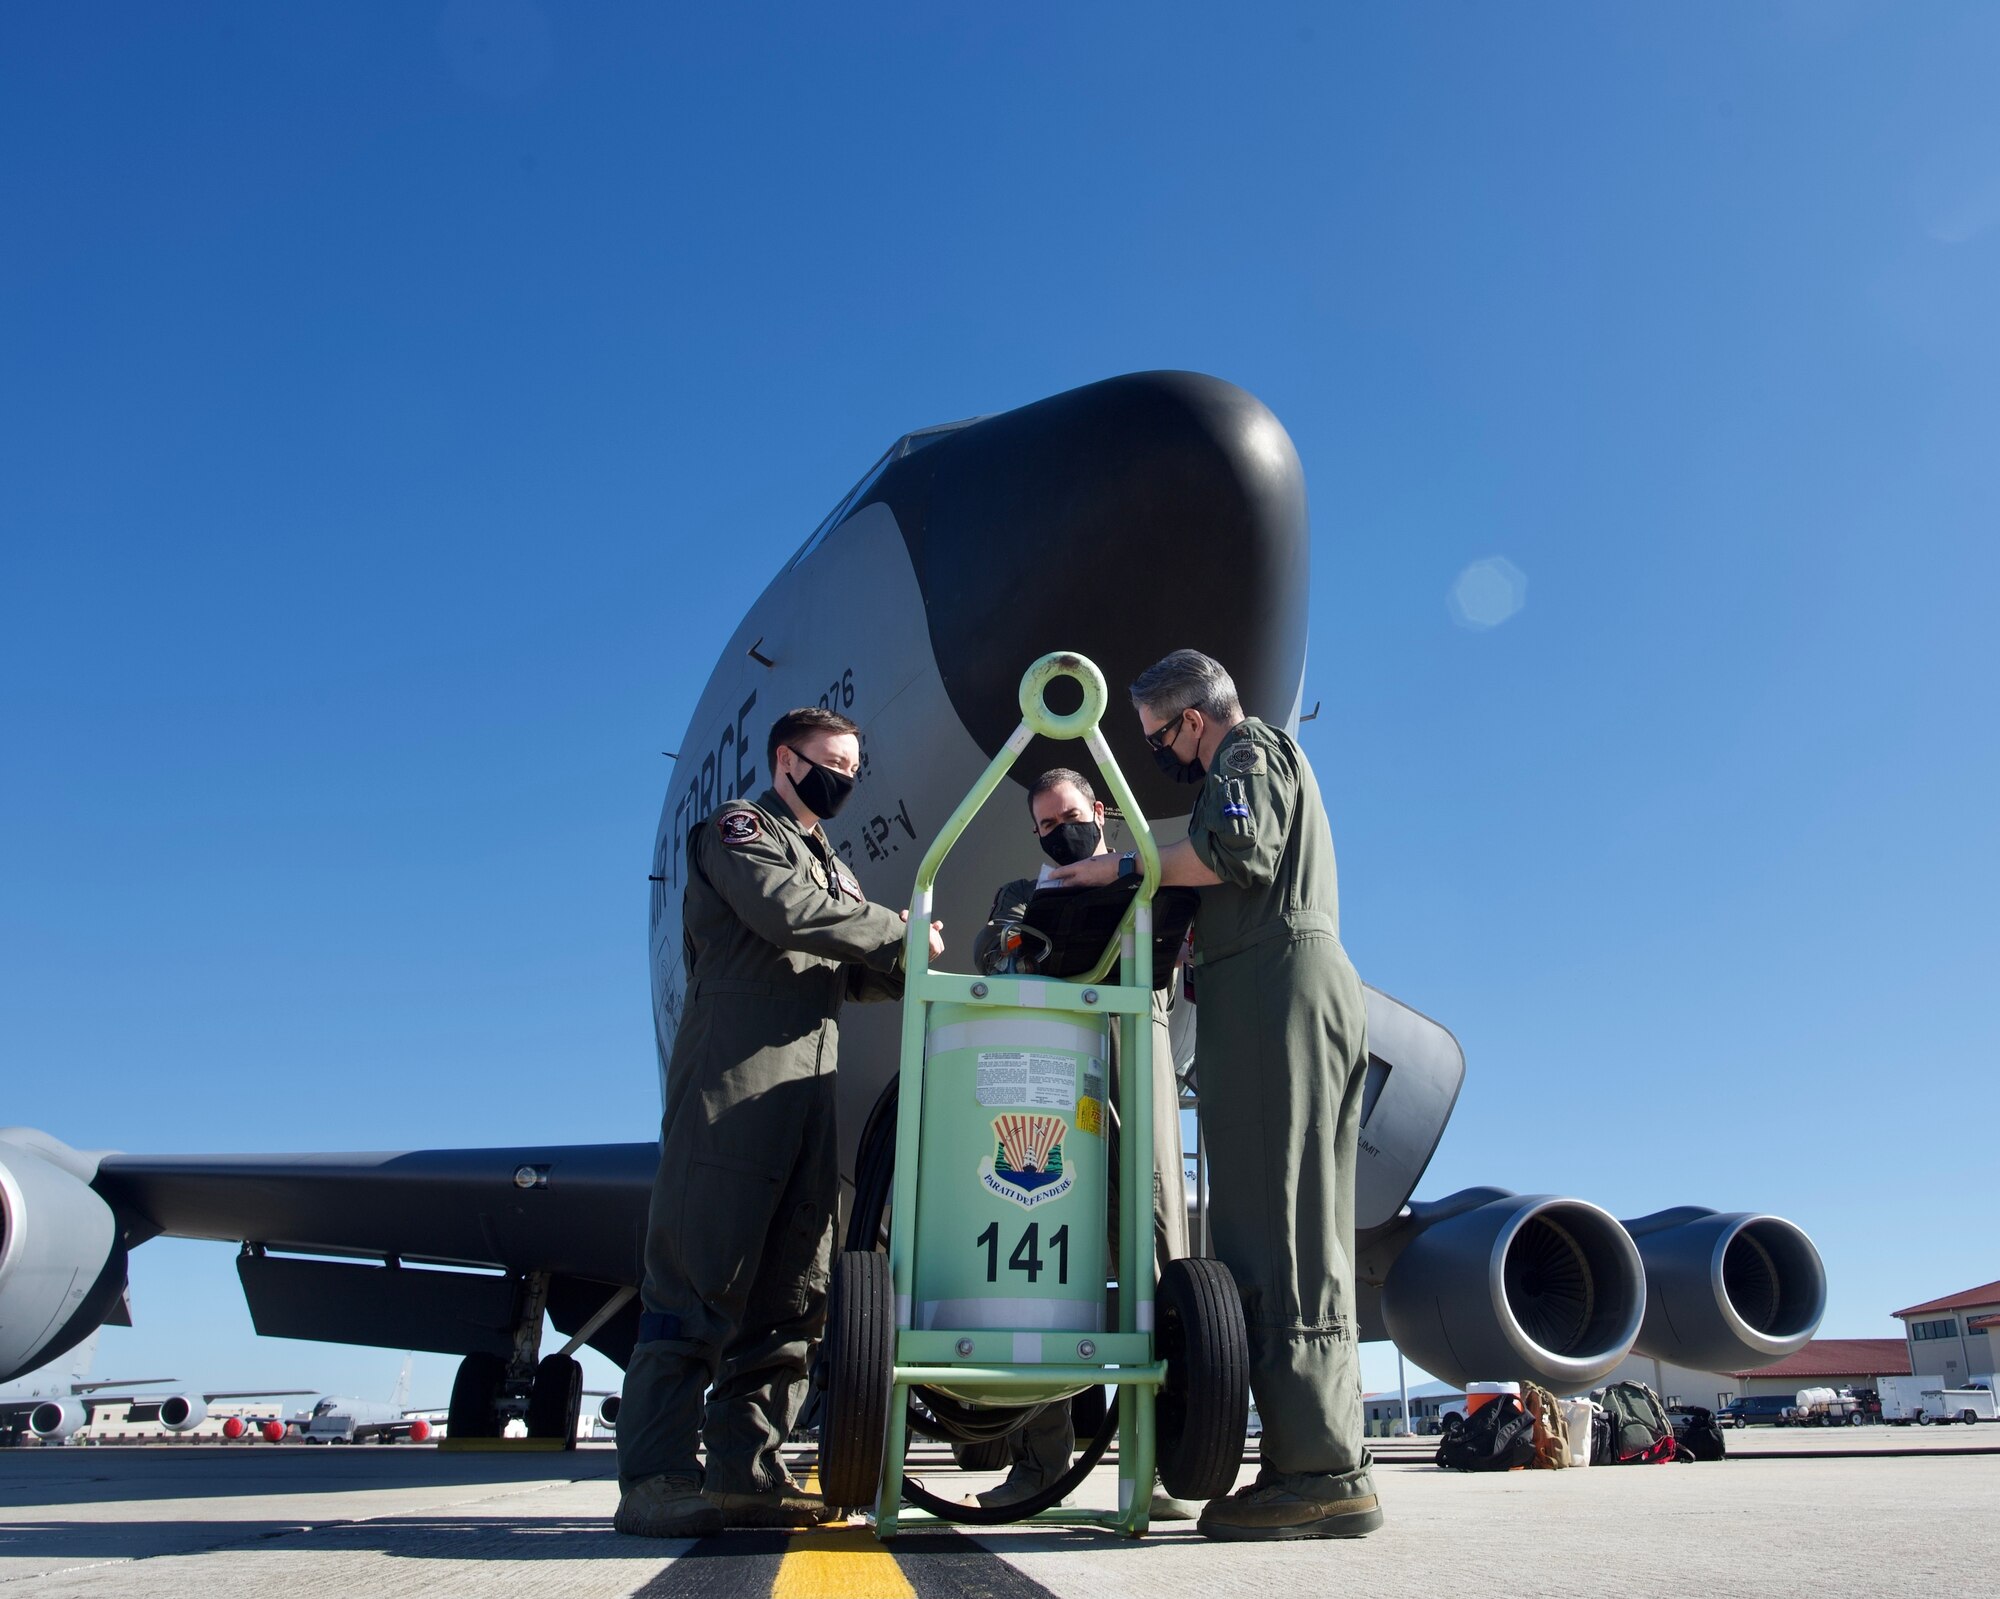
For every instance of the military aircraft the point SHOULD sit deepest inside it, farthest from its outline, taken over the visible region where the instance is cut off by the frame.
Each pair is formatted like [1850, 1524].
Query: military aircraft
[53, 1403]
[967, 551]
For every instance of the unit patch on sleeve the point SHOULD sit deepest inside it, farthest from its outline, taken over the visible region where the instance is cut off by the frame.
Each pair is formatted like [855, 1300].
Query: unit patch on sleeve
[739, 827]
[1244, 758]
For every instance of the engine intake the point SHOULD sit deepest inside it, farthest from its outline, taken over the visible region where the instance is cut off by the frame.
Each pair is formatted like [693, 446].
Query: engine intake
[183, 1412]
[1726, 1292]
[62, 1261]
[53, 1420]
[1488, 1285]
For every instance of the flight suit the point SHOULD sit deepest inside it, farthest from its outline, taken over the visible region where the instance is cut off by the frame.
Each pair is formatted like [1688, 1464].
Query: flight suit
[1040, 1450]
[777, 935]
[1280, 1042]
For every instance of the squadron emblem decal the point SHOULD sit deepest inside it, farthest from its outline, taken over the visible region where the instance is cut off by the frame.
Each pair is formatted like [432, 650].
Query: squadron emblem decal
[739, 827]
[1026, 1165]
[1243, 759]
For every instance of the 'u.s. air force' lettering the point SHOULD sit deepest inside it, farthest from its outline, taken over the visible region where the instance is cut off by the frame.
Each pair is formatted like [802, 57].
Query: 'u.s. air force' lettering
[1026, 1165]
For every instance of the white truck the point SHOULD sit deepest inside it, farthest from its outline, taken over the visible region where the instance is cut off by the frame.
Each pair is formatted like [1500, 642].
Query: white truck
[1903, 1402]
[1946, 1405]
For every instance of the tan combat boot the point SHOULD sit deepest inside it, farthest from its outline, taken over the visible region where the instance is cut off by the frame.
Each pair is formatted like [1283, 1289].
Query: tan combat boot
[666, 1507]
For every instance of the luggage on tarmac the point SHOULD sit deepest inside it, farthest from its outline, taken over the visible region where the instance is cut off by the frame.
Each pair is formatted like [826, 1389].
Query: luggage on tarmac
[1498, 1436]
[1636, 1431]
[1551, 1430]
[1701, 1438]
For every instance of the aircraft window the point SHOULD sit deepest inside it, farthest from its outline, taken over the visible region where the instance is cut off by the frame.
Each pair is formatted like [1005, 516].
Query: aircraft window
[908, 444]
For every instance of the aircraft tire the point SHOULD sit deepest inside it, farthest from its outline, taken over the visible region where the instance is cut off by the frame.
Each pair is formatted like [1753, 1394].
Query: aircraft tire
[556, 1399]
[1204, 1403]
[858, 1362]
[475, 1394]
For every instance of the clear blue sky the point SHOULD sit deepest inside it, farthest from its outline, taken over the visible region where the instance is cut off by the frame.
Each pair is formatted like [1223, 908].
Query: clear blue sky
[402, 402]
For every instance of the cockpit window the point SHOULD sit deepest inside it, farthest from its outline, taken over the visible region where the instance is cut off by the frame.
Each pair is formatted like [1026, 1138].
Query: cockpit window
[908, 444]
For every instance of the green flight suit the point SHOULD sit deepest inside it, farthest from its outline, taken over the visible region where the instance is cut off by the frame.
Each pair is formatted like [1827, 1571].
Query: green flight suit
[776, 935]
[1280, 1042]
[1040, 1450]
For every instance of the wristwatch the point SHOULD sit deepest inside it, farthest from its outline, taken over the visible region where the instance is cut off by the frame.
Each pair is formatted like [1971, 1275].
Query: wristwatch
[1128, 864]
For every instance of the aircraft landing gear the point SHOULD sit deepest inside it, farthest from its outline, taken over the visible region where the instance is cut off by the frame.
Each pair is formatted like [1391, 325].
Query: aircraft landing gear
[556, 1399]
[544, 1393]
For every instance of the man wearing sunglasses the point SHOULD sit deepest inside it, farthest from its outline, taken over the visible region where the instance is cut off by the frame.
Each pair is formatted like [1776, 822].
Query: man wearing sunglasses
[1069, 824]
[777, 935]
[1280, 1039]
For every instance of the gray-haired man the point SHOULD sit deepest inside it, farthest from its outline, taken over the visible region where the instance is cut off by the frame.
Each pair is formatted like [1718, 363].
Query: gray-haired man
[1280, 1035]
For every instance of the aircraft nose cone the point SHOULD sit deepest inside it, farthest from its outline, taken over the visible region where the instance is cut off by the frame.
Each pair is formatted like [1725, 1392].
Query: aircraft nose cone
[1123, 520]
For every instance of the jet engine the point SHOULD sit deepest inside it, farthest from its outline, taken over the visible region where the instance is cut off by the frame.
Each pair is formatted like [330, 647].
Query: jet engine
[62, 1261]
[53, 1420]
[1726, 1292]
[607, 1412]
[183, 1412]
[1487, 1285]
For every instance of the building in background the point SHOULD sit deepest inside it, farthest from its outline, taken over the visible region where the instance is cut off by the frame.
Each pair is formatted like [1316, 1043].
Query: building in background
[1956, 1337]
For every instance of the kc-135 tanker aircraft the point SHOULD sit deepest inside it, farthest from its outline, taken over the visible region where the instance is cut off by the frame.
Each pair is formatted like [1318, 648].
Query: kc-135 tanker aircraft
[966, 552]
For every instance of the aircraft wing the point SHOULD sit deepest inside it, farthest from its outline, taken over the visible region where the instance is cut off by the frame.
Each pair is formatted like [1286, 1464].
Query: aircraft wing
[421, 1249]
[255, 1393]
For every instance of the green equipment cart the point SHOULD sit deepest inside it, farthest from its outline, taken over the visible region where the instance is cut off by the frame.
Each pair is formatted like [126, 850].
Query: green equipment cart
[994, 1296]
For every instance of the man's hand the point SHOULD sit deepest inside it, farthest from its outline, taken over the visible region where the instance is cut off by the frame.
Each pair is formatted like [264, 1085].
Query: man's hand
[937, 936]
[1093, 871]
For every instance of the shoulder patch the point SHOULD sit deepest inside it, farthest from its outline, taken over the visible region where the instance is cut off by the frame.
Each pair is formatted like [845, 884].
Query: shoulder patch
[739, 826]
[1244, 758]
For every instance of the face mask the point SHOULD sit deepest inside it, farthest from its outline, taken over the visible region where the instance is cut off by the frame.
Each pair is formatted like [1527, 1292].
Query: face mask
[821, 791]
[1177, 770]
[1071, 842]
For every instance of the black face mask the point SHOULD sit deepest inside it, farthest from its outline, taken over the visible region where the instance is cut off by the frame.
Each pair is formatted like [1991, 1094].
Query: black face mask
[1171, 766]
[821, 791]
[1072, 842]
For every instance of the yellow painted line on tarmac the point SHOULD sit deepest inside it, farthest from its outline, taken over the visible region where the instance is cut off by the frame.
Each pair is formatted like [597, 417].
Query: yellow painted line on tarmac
[840, 1563]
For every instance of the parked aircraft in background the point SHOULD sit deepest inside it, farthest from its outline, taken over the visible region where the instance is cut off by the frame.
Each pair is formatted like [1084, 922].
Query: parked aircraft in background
[965, 553]
[54, 1403]
[337, 1420]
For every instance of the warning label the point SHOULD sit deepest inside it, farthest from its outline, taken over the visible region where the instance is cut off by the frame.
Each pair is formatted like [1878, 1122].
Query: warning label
[1026, 1078]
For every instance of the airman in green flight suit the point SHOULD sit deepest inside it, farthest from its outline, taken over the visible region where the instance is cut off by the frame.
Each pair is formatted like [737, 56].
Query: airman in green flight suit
[777, 936]
[1280, 1044]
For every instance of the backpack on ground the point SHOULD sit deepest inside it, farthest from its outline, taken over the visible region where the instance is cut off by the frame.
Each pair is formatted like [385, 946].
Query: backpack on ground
[1637, 1428]
[1702, 1438]
[1498, 1436]
[1551, 1429]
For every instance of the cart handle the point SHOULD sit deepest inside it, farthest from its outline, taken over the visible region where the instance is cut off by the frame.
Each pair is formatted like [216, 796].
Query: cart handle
[1082, 723]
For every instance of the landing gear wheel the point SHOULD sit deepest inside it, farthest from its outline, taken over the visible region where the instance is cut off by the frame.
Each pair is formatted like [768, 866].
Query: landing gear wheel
[859, 1362]
[475, 1395]
[1204, 1403]
[991, 1455]
[556, 1399]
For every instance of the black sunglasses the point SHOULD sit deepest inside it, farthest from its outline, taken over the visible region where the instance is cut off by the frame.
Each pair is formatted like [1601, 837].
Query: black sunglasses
[1163, 735]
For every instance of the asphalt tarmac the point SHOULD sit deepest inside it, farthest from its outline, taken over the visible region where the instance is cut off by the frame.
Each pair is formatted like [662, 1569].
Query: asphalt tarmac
[1905, 1512]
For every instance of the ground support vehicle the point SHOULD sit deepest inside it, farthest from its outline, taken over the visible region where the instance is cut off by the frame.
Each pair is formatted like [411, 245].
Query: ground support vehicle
[1942, 1406]
[993, 1296]
[1903, 1402]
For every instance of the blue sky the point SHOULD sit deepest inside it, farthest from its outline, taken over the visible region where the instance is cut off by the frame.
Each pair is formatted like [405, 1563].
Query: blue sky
[402, 403]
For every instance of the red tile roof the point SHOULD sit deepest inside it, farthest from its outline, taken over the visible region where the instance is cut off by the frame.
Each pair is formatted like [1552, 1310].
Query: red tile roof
[1840, 1357]
[1984, 1294]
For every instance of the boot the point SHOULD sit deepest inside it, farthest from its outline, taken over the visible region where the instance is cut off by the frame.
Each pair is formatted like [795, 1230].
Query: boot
[666, 1507]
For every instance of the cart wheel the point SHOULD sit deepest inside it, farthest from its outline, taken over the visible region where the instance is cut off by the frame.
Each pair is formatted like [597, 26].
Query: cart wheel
[1205, 1401]
[992, 1455]
[859, 1361]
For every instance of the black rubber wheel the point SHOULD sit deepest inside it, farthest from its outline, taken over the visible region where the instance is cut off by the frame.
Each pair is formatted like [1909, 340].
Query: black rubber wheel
[992, 1455]
[475, 1394]
[858, 1360]
[556, 1399]
[1204, 1403]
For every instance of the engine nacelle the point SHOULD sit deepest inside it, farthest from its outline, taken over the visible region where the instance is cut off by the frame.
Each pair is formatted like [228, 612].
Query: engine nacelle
[420, 1431]
[1491, 1286]
[62, 1261]
[607, 1412]
[53, 1420]
[183, 1412]
[1726, 1292]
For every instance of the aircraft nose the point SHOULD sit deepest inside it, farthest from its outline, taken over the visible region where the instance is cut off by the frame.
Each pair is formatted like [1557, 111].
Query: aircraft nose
[1123, 520]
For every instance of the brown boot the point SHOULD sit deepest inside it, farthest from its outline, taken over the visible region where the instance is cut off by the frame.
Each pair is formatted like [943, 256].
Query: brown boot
[1268, 1510]
[666, 1507]
[785, 1505]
